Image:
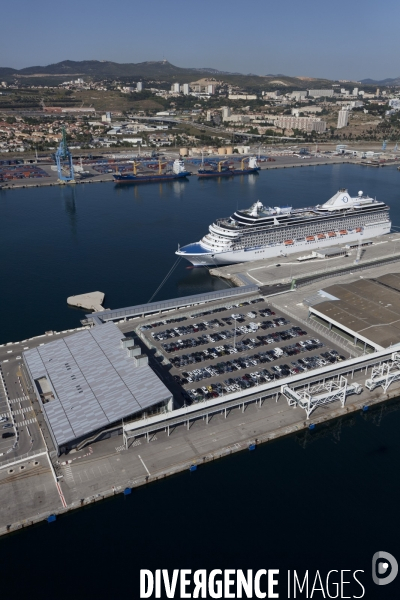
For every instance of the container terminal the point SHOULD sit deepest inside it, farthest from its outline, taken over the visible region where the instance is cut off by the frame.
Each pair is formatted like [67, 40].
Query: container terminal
[16, 174]
[138, 393]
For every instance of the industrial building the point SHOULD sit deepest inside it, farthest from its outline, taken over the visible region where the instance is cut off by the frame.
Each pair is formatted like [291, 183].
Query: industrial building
[366, 311]
[87, 383]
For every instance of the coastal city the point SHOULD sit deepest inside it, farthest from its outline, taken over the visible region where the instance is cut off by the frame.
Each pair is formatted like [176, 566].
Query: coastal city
[205, 118]
[200, 225]
[204, 112]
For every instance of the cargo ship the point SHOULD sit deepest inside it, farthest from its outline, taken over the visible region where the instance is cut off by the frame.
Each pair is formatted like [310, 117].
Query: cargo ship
[251, 168]
[178, 172]
[267, 232]
[222, 171]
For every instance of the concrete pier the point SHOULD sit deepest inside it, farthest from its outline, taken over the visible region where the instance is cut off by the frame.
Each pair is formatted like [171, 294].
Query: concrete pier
[279, 272]
[100, 469]
[90, 301]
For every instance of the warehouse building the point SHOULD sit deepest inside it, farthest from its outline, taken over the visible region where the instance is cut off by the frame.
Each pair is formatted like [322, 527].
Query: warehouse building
[88, 382]
[365, 311]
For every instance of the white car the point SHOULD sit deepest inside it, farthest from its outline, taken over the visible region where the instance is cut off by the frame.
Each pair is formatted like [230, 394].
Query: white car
[3, 419]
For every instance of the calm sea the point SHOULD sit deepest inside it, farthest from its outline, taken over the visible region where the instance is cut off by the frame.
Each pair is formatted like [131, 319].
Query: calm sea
[327, 499]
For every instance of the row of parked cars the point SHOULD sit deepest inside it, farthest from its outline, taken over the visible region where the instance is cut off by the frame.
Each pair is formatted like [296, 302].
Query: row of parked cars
[245, 362]
[231, 306]
[177, 332]
[219, 336]
[241, 345]
[191, 328]
[159, 323]
[248, 380]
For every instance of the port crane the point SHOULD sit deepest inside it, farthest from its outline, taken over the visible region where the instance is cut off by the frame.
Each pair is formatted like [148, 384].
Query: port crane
[65, 167]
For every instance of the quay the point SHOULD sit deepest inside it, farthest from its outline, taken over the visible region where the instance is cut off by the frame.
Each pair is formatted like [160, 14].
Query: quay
[92, 176]
[278, 274]
[46, 471]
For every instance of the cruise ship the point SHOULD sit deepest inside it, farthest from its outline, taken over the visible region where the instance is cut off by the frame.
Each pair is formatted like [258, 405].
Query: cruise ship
[265, 232]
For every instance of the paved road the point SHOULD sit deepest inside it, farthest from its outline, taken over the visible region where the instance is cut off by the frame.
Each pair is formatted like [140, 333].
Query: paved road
[19, 404]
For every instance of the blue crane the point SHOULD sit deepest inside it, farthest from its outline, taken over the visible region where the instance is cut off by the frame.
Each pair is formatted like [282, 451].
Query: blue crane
[64, 161]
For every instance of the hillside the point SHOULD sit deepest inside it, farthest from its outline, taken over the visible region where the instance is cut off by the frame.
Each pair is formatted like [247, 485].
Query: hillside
[148, 71]
[388, 81]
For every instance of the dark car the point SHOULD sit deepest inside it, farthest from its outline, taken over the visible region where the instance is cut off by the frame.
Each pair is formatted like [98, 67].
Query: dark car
[8, 434]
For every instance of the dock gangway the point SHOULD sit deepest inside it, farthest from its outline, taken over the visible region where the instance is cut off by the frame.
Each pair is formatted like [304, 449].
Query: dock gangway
[384, 374]
[321, 393]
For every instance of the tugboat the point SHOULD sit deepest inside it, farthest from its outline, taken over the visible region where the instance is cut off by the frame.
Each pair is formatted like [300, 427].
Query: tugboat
[178, 172]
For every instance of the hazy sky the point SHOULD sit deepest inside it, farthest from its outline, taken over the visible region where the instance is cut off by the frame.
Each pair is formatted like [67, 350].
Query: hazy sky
[337, 39]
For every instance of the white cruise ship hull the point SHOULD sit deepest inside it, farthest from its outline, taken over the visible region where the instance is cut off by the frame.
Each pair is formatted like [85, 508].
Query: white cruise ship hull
[205, 258]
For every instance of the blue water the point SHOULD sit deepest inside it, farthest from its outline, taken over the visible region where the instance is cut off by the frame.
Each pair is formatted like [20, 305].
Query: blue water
[56, 242]
[327, 499]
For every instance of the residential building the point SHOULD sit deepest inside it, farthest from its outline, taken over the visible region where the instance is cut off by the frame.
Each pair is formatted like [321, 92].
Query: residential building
[298, 95]
[320, 93]
[238, 119]
[343, 118]
[185, 89]
[242, 97]
[304, 123]
[139, 86]
[272, 95]
[226, 112]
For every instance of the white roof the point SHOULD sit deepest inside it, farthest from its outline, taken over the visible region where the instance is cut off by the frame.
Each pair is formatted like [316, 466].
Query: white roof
[342, 200]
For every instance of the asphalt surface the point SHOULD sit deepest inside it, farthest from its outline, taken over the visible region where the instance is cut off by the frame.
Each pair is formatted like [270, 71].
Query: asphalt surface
[167, 372]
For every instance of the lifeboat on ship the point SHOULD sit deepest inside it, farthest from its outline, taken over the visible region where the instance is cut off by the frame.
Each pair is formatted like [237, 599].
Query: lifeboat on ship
[359, 229]
[321, 236]
[310, 238]
[331, 234]
[288, 242]
[343, 232]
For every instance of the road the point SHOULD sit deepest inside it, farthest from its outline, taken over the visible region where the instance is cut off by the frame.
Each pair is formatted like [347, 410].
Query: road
[18, 403]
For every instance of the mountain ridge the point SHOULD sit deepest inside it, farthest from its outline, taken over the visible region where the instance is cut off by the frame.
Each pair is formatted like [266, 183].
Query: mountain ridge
[165, 71]
[149, 70]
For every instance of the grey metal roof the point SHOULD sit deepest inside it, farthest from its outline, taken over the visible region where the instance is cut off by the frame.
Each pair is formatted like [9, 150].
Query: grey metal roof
[140, 309]
[95, 383]
[331, 251]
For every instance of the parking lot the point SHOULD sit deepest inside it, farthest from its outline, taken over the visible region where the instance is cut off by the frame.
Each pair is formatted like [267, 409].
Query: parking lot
[216, 351]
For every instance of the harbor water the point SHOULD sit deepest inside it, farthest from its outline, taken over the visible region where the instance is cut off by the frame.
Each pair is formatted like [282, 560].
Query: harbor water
[324, 499]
